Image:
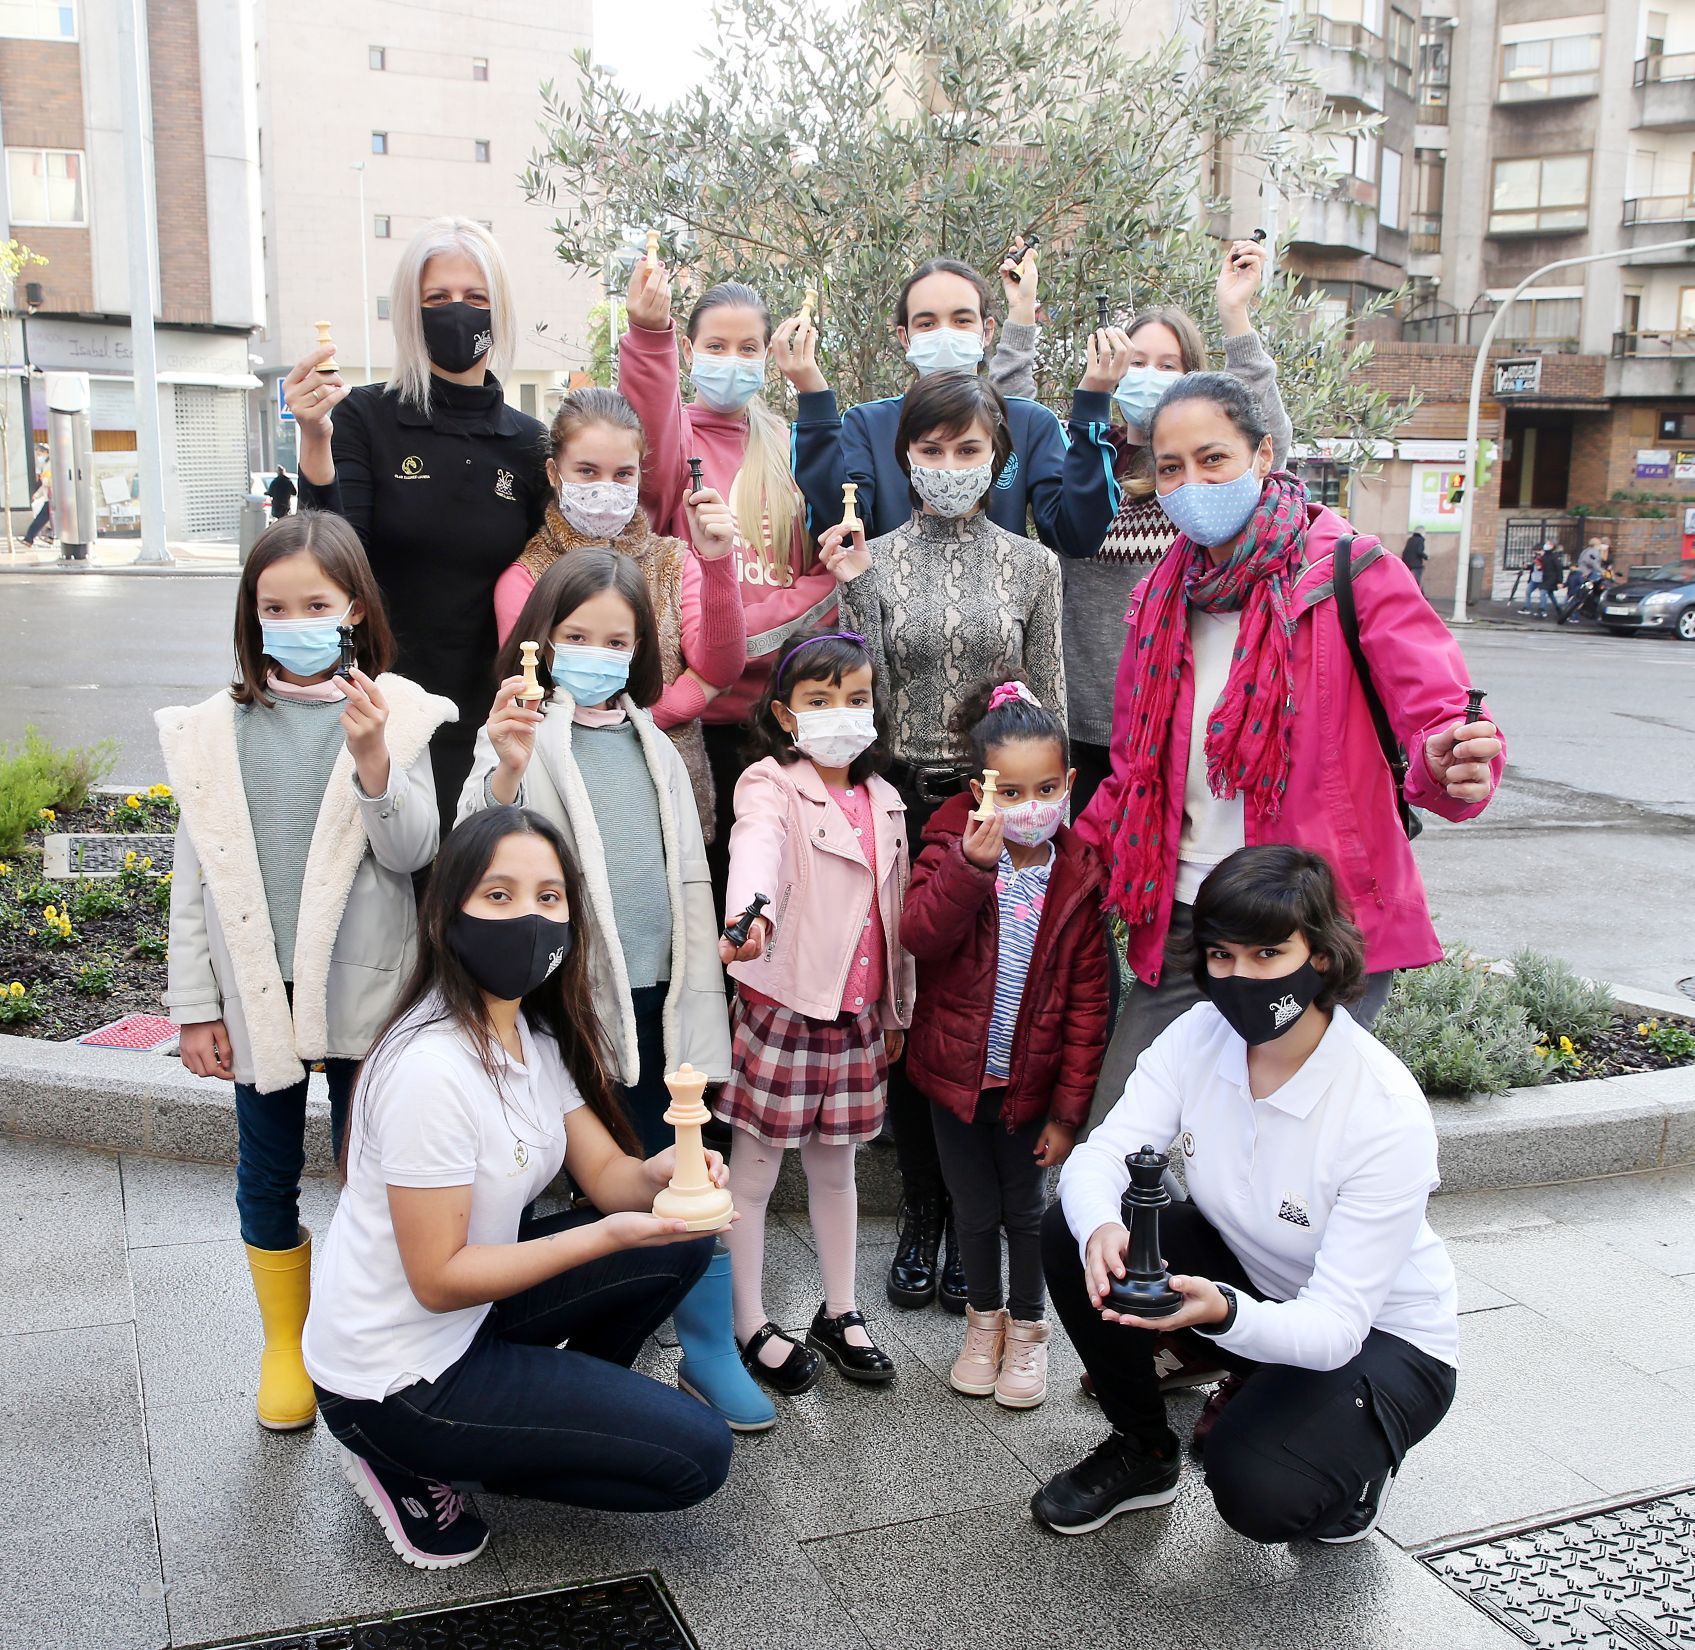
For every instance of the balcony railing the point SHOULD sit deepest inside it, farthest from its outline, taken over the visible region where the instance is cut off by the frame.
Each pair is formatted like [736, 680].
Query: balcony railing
[1537, 345]
[1346, 37]
[1659, 209]
[1645, 345]
[1651, 71]
[1543, 88]
[1426, 228]
[1433, 106]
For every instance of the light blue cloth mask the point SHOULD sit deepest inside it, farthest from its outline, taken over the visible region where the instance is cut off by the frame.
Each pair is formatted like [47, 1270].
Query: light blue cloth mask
[589, 675]
[724, 385]
[946, 349]
[303, 647]
[1211, 512]
[1139, 391]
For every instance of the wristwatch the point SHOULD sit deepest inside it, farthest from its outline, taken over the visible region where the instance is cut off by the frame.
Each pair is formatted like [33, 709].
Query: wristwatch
[1229, 1320]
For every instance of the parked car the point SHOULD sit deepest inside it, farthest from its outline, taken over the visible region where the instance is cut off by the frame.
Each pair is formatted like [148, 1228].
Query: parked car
[1653, 598]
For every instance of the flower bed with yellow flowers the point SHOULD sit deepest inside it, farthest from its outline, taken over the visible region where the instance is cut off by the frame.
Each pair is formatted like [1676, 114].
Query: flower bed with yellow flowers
[80, 952]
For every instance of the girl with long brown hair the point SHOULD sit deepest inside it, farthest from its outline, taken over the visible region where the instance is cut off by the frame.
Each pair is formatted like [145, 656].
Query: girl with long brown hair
[434, 1340]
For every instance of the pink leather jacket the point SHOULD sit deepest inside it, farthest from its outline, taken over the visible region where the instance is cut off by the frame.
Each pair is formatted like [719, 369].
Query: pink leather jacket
[1340, 801]
[792, 844]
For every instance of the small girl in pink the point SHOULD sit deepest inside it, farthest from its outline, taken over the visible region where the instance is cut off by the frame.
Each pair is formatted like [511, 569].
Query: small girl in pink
[824, 988]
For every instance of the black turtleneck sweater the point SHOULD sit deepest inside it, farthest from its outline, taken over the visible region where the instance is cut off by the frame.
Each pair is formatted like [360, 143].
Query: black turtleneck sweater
[444, 502]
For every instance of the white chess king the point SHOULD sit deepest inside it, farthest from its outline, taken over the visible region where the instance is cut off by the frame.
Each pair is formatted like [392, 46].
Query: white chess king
[691, 1196]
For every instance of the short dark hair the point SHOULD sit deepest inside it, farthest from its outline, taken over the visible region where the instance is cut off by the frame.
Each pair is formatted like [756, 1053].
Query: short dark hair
[561, 590]
[1260, 896]
[1230, 395]
[949, 403]
[335, 547]
[942, 266]
[821, 656]
[974, 724]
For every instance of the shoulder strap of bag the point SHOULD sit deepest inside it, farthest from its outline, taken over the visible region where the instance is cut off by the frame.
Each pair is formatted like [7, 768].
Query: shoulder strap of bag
[1347, 615]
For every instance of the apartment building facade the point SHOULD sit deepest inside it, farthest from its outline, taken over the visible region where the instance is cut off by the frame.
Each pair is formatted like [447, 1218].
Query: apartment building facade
[1512, 134]
[66, 197]
[375, 117]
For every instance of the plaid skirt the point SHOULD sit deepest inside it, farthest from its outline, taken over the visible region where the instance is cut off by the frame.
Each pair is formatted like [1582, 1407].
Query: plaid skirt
[792, 1075]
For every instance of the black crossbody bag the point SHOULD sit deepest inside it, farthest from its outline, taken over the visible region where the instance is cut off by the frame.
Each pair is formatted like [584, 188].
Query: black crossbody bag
[1393, 753]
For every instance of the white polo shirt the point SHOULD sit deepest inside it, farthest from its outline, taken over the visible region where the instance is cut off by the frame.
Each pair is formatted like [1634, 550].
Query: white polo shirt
[427, 1114]
[1318, 1189]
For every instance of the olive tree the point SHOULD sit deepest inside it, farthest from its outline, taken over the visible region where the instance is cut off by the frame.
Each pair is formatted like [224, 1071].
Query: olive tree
[837, 149]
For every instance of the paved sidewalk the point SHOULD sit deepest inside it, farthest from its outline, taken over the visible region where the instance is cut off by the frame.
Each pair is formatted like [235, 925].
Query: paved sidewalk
[119, 556]
[147, 1508]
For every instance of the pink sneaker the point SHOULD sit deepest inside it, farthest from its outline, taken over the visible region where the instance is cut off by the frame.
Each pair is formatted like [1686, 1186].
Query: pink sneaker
[1023, 1379]
[978, 1365]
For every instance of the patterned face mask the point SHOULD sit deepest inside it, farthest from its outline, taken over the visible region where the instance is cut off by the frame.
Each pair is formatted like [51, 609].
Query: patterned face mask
[1212, 512]
[951, 492]
[597, 509]
[1030, 824]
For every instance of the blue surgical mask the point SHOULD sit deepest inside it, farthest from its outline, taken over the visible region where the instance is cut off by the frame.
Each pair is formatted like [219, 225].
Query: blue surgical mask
[303, 647]
[946, 349]
[724, 385]
[589, 675]
[1212, 512]
[1139, 391]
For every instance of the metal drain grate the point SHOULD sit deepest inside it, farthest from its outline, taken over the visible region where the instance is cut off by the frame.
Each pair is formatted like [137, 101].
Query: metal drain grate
[631, 1613]
[1687, 987]
[1619, 1580]
[101, 853]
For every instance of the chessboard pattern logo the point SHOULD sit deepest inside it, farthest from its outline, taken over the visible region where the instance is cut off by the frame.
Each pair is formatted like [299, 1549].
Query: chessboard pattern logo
[1294, 1210]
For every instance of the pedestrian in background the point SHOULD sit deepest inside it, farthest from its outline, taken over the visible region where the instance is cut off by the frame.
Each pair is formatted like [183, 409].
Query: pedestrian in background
[281, 494]
[1413, 554]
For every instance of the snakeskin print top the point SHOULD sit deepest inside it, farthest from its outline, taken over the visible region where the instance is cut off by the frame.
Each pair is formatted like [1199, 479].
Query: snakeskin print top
[946, 605]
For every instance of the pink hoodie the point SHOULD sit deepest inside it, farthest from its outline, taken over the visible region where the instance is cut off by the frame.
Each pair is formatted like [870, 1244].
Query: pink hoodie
[648, 376]
[1340, 799]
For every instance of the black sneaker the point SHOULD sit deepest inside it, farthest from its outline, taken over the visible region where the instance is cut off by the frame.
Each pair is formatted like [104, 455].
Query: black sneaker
[1119, 1475]
[1360, 1519]
[430, 1525]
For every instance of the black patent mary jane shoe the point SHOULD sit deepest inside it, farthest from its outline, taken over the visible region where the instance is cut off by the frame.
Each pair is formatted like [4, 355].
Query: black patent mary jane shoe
[796, 1374]
[858, 1363]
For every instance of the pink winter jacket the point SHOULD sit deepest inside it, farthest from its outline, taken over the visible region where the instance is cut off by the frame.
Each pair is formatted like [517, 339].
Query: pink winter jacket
[1340, 800]
[793, 845]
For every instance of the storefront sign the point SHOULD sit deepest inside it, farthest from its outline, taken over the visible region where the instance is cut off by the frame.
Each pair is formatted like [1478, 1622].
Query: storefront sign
[1519, 377]
[1428, 509]
[1653, 464]
[1683, 467]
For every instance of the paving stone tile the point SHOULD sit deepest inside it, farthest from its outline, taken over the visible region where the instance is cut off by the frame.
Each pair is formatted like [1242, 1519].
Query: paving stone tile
[1592, 1413]
[196, 1323]
[62, 1258]
[1395, 1605]
[988, 1578]
[1648, 1217]
[259, 1531]
[1464, 1214]
[1477, 1296]
[845, 1457]
[1601, 1294]
[740, 1576]
[794, 1287]
[168, 1202]
[79, 1560]
[1682, 1379]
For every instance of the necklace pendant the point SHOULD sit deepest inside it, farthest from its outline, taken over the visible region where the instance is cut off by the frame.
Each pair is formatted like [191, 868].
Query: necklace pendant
[521, 1153]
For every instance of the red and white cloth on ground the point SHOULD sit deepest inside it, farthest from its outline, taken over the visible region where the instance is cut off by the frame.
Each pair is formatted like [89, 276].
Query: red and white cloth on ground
[793, 1075]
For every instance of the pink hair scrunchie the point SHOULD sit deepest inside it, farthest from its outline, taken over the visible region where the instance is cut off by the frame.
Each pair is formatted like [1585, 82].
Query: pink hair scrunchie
[1008, 691]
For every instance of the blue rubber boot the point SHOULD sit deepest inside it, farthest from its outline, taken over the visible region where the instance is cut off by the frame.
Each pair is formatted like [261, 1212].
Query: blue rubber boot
[711, 1369]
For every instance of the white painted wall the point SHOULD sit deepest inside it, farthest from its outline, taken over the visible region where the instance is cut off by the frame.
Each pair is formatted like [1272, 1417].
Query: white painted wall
[230, 121]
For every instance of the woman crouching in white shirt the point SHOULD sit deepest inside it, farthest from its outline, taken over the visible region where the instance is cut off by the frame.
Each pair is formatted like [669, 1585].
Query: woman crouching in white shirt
[434, 1334]
[1304, 1255]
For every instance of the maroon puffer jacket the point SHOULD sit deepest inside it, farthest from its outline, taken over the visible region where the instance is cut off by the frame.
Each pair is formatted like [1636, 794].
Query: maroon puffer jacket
[951, 924]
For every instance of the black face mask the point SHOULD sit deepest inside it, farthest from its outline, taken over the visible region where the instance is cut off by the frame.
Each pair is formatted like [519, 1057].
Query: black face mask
[509, 958]
[458, 335]
[1259, 1010]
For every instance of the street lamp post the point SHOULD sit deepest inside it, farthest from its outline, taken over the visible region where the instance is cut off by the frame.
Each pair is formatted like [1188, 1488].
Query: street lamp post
[364, 272]
[1469, 475]
[34, 298]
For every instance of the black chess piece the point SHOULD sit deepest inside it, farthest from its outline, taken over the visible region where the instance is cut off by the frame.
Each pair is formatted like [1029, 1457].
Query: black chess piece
[737, 932]
[349, 657]
[1258, 235]
[694, 475]
[1102, 318]
[1031, 242]
[1474, 704]
[1145, 1289]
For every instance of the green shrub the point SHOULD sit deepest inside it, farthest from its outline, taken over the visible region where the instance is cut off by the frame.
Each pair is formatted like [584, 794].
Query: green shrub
[152, 945]
[1557, 1000]
[1460, 1029]
[95, 897]
[37, 775]
[18, 1004]
[95, 979]
[1671, 1040]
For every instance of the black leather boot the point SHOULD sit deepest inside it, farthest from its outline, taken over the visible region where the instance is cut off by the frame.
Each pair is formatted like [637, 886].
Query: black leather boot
[950, 1294]
[912, 1273]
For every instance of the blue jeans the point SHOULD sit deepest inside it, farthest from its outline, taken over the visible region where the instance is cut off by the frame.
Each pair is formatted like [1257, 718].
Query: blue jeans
[272, 1130]
[520, 1416]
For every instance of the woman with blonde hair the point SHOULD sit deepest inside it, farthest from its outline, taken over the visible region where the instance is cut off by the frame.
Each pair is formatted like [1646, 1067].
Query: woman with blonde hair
[442, 480]
[744, 452]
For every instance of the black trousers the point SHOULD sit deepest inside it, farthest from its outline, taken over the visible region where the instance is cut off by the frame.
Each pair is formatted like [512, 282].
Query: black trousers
[724, 758]
[1093, 764]
[996, 1185]
[1294, 1449]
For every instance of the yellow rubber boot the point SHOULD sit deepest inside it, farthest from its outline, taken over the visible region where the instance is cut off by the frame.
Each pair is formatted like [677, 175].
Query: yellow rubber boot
[282, 1283]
